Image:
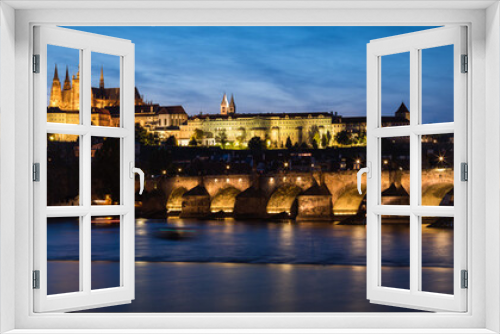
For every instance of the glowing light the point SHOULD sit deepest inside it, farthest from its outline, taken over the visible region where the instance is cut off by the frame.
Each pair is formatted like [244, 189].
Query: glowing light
[285, 164]
[441, 158]
[358, 161]
[284, 178]
[228, 167]
[164, 172]
[227, 180]
[271, 180]
[216, 180]
[179, 170]
[299, 179]
[240, 180]
[386, 162]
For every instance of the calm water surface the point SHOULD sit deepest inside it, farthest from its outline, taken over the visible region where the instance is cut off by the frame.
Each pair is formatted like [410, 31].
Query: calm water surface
[187, 265]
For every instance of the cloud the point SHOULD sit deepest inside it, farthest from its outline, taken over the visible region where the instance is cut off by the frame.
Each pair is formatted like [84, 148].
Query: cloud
[269, 69]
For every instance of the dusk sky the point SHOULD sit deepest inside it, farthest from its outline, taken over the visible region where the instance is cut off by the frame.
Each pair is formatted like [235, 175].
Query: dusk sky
[269, 69]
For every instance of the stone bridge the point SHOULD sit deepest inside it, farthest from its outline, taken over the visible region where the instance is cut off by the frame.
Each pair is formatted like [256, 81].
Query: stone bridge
[300, 195]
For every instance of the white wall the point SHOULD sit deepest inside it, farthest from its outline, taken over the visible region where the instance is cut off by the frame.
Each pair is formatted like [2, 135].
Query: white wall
[7, 159]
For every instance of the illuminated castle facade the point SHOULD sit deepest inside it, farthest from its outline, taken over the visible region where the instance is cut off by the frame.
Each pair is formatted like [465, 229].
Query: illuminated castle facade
[64, 102]
[277, 130]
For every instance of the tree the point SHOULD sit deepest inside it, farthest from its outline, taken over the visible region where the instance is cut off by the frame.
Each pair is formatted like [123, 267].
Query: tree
[328, 137]
[255, 144]
[193, 142]
[171, 141]
[288, 143]
[343, 138]
[242, 137]
[304, 146]
[221, 138]
[362, 138]
[324, 141]
[313, 136]
[143, 137]
[198, 134]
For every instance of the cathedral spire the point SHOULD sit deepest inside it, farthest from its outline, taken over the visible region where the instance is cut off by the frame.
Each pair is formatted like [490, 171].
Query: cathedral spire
[101, 82]
[232, 105]
[224, 105]
[67, 83]
[56, 75]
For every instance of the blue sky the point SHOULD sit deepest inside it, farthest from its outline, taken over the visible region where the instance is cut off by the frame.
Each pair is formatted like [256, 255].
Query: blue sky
[269, 69]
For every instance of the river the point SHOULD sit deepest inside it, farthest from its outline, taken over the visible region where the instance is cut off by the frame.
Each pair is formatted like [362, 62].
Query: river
[187, 265]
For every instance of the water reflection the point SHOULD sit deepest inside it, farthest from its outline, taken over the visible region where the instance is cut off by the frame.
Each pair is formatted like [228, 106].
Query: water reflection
[235, 266]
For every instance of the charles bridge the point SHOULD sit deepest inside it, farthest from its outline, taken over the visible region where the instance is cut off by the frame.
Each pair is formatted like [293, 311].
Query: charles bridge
[299, 195]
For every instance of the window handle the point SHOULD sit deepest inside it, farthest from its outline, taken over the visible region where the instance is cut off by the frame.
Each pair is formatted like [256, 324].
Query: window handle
[368, 172]
[133, 171]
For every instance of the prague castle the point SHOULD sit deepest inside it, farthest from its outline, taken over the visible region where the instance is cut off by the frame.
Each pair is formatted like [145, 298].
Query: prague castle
[64, 102]
[225, 128]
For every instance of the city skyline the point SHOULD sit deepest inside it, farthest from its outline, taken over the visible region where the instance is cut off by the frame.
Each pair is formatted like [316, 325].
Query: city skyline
[268, 69]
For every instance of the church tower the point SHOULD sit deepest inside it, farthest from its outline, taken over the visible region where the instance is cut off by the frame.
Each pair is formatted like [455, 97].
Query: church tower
[66, 92]
[55, 92]
[224, 105]
[101, 81]
[75, 92]
[232, 106]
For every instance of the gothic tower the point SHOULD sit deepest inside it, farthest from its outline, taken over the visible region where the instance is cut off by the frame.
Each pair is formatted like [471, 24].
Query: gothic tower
[232, 106]
[101, 81]
[66, 92]
[224, 105]
[55, 92]
[75, 92]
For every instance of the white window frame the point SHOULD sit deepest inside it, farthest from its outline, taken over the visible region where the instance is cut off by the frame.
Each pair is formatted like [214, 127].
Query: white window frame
[85, 44]
[482, 19]
[414, 44]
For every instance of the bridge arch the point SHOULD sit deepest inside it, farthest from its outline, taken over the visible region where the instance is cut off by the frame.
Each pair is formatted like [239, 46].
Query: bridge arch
[224, 200]
[438, 194]
[284, 199]
[349, 202]
[174, 201]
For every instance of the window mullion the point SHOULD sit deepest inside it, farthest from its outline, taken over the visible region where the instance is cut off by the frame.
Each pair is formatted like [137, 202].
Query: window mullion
[415, 239]
[85, 171]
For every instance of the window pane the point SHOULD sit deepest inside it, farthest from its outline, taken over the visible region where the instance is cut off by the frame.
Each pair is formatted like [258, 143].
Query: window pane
[395, 95]
[105, 236]
[437, 254]
[63, 169]
[63, 85]
[395, 251]
[63, 255]
[105, 171]
[437, 84]
[395, 171]
[105, 90]
[437, 170]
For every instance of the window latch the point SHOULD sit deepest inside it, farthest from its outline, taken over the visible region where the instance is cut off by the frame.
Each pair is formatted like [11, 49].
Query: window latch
[368, 171]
